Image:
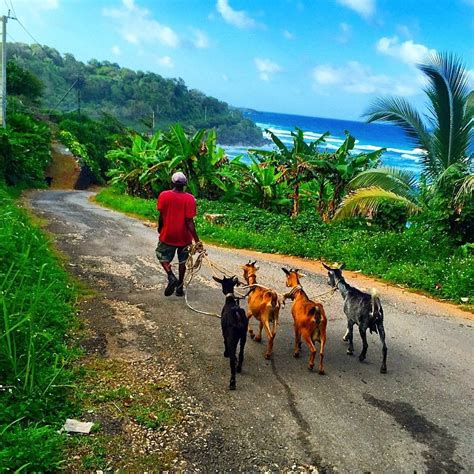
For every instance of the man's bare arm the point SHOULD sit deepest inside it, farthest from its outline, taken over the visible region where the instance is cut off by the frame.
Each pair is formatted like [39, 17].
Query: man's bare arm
[192, 228]
[160, 222]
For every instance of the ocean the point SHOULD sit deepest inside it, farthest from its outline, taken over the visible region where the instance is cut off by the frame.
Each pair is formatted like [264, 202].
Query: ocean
[400, 152]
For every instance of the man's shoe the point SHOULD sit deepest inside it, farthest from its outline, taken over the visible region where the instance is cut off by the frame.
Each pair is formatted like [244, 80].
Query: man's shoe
[180, 290]
[172, 284]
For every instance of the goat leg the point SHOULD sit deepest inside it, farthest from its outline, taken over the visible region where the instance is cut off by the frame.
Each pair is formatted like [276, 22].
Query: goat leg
[243, 340]
[350, 337]
[233, 349]
[363, 335]
[252, 335]
[296, 352]
[258, 337]
[381, 330]
[312, 349]
[270, 337]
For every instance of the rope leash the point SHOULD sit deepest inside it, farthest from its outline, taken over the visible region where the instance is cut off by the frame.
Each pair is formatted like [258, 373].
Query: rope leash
[194, 266]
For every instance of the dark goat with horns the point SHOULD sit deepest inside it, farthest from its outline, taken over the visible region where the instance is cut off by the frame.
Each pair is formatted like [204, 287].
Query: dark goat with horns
[234, 325]
[362, 309]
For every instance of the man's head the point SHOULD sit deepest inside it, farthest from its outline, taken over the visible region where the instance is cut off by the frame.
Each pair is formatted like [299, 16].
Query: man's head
[179, 180]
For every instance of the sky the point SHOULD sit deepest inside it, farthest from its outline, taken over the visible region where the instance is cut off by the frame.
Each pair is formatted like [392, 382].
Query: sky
[323, 58]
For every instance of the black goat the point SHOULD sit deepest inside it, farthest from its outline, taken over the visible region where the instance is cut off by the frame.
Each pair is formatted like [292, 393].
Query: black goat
[362, 309]
[234, 323]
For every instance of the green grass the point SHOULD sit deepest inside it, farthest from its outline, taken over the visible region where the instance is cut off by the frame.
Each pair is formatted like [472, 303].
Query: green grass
[36, 313]
[412, 258]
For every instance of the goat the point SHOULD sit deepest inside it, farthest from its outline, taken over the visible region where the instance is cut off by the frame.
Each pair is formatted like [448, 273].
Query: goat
[362, 309]
[309, 319]
[263, 305]
[234, 325]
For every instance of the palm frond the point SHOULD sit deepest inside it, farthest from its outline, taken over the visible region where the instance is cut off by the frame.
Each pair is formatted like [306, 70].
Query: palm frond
[399, 112]
[448, 95]
[366, 202]
[390, 179]
[466, 189]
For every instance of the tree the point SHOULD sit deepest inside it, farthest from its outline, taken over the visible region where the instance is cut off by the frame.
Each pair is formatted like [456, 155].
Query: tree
[296, 164]
[445, 136]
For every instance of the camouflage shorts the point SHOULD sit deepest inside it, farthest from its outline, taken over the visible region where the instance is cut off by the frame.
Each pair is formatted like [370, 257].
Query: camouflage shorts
[166, 253]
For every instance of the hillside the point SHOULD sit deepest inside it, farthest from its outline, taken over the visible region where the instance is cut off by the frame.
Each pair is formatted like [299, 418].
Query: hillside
[133, 97]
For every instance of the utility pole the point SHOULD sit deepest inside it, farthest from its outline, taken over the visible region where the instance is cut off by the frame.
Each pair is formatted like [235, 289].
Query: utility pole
[3, 76]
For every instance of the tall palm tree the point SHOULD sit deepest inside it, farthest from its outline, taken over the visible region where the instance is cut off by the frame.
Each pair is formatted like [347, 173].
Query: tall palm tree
[445, 136]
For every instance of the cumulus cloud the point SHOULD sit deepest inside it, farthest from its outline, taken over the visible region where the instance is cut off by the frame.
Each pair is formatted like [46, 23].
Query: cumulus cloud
[357, 78]
[36, 5]
[165, 61]
[288, 35]
[409, 52]
[365, 8]
[238, 18]
[200, 39]
[137, 26]
[266, 68]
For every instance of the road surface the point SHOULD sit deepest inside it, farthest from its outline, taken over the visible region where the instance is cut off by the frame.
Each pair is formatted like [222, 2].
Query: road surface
[417, 417]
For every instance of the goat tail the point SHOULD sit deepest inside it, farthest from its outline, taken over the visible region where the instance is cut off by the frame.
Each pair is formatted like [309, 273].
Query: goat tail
[377, 312]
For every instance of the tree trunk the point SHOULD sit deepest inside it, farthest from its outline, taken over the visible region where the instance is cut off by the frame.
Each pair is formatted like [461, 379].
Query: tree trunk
[296, 201]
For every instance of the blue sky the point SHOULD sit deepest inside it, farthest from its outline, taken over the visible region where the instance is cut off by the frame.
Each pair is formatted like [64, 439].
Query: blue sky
[328, 58]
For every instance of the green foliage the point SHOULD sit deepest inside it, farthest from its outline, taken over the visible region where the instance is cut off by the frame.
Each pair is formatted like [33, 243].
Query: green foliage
[35, 315]
[134, 98]
[24, 150]
[22, 82]
[447, 158]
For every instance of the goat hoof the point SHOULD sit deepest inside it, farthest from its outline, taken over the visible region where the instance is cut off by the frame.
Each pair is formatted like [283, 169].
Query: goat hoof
[238, 369]
[232, 386]
[268, 356]
[361, 358]
[252, 335]
[310, 367]
[383, 370]
[349, 352]
[226, 354]
[258, 338]
[321, 372]
[296, 355]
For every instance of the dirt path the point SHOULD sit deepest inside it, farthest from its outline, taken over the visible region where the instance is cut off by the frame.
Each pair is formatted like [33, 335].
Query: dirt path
[417, 417]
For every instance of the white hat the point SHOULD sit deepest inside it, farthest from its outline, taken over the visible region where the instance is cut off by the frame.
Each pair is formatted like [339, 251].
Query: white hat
[179, 178]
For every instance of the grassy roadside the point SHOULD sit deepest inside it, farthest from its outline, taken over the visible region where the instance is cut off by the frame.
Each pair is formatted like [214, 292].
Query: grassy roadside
[408, 258]
[36, 318]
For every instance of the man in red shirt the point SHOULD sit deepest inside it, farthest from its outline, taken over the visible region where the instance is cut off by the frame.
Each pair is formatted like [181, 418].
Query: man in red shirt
[176, 228]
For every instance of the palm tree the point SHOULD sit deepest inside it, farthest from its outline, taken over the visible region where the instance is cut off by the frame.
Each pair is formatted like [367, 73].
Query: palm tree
[445, 136]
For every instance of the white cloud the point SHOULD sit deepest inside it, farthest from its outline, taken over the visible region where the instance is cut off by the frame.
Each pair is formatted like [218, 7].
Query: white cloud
[237, 18]
[408, 51]
[116, 51]
[288, 35]
[165, 61]
[137, 26]
[365, 8]
[357, 78]
[200, 39]
[266, 68]
[225, 77]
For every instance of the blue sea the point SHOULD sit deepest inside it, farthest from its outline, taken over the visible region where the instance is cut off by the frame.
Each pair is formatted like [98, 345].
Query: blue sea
[369, 137]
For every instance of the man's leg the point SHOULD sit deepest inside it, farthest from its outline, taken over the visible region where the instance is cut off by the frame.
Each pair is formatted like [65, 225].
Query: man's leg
[165, 254]
[183, 255]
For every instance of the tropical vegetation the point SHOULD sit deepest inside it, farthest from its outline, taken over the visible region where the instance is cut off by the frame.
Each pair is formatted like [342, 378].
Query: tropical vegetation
[445, 136]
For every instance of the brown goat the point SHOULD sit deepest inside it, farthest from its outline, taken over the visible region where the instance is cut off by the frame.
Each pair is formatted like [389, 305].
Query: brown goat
[263, 305]
[309, 319]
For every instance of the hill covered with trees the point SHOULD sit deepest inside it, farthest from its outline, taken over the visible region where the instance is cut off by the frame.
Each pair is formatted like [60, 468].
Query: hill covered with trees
[137, 99]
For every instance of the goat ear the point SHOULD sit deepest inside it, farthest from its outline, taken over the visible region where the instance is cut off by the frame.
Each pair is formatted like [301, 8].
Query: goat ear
[342, 266]
[300, 275]
[326, 267]
[285, 270]
[217, 279]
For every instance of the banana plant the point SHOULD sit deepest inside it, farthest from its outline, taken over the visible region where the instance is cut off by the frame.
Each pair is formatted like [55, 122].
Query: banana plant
[296, 164]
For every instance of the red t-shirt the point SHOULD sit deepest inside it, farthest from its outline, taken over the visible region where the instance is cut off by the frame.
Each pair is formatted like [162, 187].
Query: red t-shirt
[175, 207]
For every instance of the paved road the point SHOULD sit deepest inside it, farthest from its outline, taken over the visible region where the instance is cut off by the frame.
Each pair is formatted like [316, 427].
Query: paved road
[418, 417]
